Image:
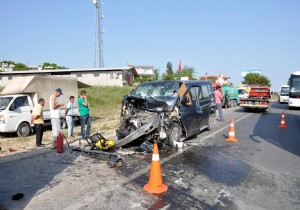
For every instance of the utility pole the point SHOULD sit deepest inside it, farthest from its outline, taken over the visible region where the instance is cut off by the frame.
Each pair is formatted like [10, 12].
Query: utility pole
[98, 60]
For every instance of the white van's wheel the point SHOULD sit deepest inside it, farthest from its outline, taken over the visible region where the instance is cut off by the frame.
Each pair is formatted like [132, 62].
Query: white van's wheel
[63, 124]
[23, 129]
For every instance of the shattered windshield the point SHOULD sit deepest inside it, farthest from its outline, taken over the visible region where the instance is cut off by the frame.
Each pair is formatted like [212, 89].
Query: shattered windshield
[168, 88]
[4, 101]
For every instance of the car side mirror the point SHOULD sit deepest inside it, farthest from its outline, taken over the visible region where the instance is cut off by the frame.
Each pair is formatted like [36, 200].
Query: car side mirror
[184, 100]
[12, 107]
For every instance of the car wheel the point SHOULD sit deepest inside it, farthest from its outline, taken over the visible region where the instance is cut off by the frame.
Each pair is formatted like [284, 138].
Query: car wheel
[173, 133]
[63, 124]
[23, 129]
[211, 121]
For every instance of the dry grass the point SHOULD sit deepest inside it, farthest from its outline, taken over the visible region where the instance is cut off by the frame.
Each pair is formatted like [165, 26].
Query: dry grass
[106, 101]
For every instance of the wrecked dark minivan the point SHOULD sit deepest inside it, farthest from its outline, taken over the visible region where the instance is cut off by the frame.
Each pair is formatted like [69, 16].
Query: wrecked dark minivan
[167, 111]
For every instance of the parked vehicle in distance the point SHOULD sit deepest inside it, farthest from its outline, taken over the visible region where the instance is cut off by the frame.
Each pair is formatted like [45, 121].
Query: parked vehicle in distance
[294, 92]
[259, 98]
[20, 96]
[167, 111]
[232, 93]
[284, 94]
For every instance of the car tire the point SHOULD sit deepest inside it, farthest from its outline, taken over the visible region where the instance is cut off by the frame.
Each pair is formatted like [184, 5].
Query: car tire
[211, 121]
[63, 124]
[23, 129]
[173, 134]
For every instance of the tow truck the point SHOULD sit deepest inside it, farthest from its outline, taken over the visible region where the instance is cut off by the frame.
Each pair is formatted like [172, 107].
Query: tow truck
[259, 99]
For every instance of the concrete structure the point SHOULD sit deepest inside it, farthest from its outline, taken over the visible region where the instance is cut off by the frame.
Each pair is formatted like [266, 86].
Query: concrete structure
[144, 71]
[93, 76]
[223, 80]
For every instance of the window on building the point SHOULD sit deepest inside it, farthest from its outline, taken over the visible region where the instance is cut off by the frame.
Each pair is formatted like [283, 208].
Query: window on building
[60, 73]
[9, 77]
[79, 74]
[96, 74]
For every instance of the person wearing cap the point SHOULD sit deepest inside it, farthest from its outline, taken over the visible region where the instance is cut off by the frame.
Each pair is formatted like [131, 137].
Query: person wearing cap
[55, 115]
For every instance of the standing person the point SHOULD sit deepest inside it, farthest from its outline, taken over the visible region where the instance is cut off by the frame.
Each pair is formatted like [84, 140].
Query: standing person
[84, 112]
[218, 97]
[69, 117]
[55, 115]
[226, 99]
[38, 120]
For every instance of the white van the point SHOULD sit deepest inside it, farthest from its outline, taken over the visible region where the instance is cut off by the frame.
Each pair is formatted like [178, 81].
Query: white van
[284, 94]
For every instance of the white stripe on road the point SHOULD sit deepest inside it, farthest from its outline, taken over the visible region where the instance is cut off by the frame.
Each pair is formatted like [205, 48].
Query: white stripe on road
[147, 169]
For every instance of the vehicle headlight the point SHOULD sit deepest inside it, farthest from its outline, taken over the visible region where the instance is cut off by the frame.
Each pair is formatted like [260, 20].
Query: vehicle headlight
[2, 119]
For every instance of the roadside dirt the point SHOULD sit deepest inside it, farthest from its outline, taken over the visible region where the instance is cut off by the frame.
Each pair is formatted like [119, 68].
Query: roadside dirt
[24, 144]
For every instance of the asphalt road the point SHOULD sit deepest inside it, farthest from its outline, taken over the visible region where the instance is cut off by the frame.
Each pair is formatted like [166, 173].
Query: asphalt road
[260, 171]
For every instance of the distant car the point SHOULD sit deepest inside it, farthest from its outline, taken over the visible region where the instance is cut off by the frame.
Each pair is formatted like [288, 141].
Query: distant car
[167, 111]
[284, 94]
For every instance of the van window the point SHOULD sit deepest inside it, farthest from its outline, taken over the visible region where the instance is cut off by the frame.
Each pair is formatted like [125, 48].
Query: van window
[194, 93]
[21, 101]
[206, 90]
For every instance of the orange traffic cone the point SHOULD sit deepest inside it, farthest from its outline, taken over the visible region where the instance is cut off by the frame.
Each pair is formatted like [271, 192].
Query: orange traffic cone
[282, 123]
[231, 134]
[155, 184]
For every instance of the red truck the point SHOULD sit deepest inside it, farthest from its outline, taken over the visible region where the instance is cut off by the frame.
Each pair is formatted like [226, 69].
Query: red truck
[259, 98]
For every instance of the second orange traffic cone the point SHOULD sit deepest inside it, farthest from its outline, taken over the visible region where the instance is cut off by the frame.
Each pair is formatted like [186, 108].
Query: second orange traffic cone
[231, 134]
[155, 184]
[282, 123]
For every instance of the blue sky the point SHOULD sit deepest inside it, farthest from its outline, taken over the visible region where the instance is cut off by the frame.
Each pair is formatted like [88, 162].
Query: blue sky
[213, 36]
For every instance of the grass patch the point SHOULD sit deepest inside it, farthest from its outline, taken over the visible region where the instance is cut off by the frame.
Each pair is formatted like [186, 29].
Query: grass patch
[106, 101]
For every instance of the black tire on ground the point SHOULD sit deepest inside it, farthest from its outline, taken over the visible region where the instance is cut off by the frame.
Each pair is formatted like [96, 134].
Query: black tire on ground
[23, 129]
[211, 121]
[63, 124]
[173, 134]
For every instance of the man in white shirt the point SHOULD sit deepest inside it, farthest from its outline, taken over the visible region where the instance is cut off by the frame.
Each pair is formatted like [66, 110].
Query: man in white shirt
[55, 115]
[69, 117]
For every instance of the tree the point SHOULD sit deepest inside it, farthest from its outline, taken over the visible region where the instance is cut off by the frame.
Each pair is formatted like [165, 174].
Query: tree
[156, 74]
[169, 68]
[256, 79]
[169, 75]
[186, 71]
[53, 66]
[20, 67]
